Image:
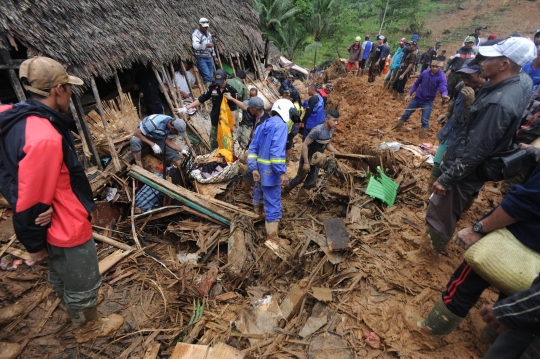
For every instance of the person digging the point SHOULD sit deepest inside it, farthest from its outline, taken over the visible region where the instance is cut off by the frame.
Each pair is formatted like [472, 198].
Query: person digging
[157, 132]
[317, 140]
[51, 210]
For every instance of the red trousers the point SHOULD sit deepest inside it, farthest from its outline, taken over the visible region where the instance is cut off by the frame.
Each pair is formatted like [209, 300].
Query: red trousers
[350, 65]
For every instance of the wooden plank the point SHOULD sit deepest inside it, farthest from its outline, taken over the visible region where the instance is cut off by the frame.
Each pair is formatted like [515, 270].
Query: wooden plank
[132, 347]
[336, 234]
[333, 257]
[222, 351]
[152, 351]
[112, 149]
[191, 351]
[221, 211]
[86, 150]
[112, 242]
[322, 294]
[18, 253]
[86, 131]
[112, 259]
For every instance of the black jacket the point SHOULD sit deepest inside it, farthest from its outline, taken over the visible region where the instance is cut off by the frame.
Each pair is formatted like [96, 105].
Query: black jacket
[459, 58]
[490, 128]
[213, 92]
[522, 310]
[34, 157]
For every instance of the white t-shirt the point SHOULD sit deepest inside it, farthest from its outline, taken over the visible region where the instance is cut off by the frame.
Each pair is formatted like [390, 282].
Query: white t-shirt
[182, 80]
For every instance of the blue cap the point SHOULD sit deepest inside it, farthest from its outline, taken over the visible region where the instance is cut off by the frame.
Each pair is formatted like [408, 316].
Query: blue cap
[467, 68]
[415, 37]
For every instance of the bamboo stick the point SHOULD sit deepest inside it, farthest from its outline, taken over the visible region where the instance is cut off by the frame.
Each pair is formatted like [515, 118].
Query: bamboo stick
[86, 149]
[118, 85]
[260, 90]
[240, 63]
[232, 65]
[114, 155]
[162, 86]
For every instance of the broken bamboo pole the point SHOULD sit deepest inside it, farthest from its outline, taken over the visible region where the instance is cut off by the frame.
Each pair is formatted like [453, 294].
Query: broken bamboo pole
[184, 72]
[86, 131]
[216, 209]
[86, 149]
[232, 65]
[118, 84]
[260, 90]
[112, 242]
[112, 148]
[164, 90]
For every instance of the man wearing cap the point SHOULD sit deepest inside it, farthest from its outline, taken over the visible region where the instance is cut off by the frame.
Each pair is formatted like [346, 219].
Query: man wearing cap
[457, 60]
[42, 179]
[317, 141]
[456, 114]
[355, 53]
[442, 56]
[157, 132]
[432, 54]
[406, 68]
[203, 46]
[426, 86]
[366, 49]
[375, 58]
[477, 33]
[490, 129]
[385, 51]
[215, 93]
[394, 65]
[239, 84]
[253, 115]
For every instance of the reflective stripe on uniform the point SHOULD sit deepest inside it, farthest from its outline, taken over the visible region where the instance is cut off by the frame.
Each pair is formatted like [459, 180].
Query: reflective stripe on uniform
[270, 161]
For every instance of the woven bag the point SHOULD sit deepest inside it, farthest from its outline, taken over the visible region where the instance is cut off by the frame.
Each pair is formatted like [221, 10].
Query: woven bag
[503, 261]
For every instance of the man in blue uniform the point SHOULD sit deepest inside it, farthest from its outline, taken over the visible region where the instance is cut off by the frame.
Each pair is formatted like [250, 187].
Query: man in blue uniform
[266, 159]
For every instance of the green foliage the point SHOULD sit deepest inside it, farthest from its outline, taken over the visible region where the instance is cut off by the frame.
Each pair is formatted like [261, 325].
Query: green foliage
[305, 10]
[272, 14]
[292, 40]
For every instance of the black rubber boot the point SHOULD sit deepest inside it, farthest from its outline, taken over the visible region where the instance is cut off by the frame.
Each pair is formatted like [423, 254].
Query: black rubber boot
[438, 241]
[441, 321]
[83, 317]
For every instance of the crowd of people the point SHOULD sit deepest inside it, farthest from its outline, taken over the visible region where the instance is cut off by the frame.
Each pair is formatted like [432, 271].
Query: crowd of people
[491, 132]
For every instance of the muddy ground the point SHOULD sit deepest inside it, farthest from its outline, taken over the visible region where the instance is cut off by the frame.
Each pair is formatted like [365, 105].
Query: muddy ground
[382, 285]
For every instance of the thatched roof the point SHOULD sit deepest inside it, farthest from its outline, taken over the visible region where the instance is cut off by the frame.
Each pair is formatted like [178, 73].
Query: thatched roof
[96, 37]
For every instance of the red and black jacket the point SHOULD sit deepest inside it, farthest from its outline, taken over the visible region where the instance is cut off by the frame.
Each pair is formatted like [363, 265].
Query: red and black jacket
[38, 169]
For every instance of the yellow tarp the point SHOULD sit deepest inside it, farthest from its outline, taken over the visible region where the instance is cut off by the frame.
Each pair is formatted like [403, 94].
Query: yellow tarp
[224, 131]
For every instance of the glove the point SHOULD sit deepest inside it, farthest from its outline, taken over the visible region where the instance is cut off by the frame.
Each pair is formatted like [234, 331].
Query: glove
[185, 152]
[181, 110]
[156, 149]
[443, 118]
[469, 96]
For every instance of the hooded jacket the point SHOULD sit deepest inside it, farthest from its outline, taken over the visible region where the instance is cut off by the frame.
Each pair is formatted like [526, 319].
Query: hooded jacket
[459, 57]
[490, 128]
[266, 152]
[355, 53]
[427, 84]
[39, 169]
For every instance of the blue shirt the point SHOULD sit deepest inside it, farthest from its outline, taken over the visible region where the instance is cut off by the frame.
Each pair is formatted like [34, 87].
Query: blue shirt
[523, 203]
[367, 50]
[534, 74]
[155, 126]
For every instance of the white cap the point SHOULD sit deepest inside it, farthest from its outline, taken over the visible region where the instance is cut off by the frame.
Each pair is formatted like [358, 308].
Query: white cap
[518, 49]
[204, 22]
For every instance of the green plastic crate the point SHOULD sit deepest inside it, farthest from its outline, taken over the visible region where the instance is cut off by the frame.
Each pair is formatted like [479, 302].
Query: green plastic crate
[382, 188]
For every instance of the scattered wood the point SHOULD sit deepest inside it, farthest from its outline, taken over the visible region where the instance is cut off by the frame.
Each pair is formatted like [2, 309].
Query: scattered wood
[111, 260]
[336, 234]
[407, 186]
[237, 251]
[292, 302]
[334, 258]
[219, 351]
[322, 294]
[221, 211]
[112, 242]
[225, 297]
[152, 351]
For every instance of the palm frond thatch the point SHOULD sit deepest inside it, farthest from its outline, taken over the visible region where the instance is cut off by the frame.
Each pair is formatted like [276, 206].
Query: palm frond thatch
[97, 37]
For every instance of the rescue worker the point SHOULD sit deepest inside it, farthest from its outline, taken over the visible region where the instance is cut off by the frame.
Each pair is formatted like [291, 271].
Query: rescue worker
[43, 181]
[314, 110]
[158, 131]
[317, 141]
[266, 160]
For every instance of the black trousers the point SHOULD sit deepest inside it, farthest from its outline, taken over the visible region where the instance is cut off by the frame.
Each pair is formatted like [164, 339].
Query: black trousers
[399, 85]
[463, 290]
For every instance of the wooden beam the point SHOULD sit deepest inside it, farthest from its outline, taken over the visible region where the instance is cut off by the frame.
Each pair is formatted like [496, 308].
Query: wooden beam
[86, 131]
[16, 64]
[184, 72]
[118, 84]
[232, 65]
[164, 90]
[86, 149]
[17, 87]
[220, 211]
[114, 155]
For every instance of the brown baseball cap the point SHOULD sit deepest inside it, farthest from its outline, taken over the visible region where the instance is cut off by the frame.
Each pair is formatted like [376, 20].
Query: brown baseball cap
[44, 73]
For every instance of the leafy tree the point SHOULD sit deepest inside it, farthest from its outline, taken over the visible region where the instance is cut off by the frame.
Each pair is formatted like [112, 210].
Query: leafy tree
[272, 14]
[305, 10]
[291, 40]
[397, 10]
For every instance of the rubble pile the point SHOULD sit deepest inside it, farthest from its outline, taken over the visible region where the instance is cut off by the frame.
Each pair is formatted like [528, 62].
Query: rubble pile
[194, 279]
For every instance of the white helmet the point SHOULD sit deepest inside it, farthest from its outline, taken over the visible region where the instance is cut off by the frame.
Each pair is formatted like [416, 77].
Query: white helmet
[285, 108]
